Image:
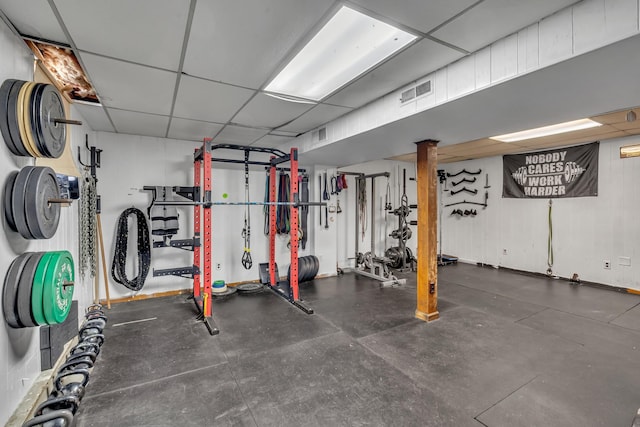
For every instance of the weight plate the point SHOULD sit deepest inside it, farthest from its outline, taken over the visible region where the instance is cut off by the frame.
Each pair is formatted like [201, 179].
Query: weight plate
[38, 288]
[12, 118]
[5, 89]
[250, 288]
[34, 111]
[18, 202]
[42, 216]
[8, 190]
[28, 125]
[56, 297]
[304, 268]
[28, 143]
[54, 134]
[316, 267]
[24, 290]
[10, 291]
[230, 291]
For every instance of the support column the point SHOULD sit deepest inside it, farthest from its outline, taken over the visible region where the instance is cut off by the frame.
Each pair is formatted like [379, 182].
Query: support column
[427, 183]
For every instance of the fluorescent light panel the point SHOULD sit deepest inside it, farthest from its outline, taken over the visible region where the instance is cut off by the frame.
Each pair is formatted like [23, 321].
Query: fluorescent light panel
[547, 130]
[347, 46]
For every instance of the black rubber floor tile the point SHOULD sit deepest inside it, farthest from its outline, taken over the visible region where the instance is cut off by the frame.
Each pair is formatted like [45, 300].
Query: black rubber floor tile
[336, 287]
[206, 397]
[334, 381]
[598, 304]
[153, 344]
[258, 322]
[470, 359]
[630, 319]
[584, 331]
[486, 301]
[591, 388]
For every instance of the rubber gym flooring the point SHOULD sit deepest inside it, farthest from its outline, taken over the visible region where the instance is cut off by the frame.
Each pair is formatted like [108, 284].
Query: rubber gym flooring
[509, 350]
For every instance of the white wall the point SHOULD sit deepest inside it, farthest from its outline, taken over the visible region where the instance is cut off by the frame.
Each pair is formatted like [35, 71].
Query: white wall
[586, 230]
[20, 348]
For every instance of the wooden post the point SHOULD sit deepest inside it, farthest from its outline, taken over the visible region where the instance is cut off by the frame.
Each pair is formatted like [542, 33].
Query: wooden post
[427, 183]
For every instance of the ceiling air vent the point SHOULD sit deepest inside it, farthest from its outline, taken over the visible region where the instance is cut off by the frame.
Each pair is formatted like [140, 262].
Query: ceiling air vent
[408, 95]
[322, 134]
[423, 88]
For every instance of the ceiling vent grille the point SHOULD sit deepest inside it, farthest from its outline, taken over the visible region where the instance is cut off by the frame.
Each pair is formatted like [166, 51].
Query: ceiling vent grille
[415, 92]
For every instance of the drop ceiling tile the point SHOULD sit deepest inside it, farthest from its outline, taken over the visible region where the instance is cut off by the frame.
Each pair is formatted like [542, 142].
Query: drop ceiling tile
[240, 135]
[95, 116]
[139, 123]
[411, 64]
[36, 20]
[494, 19]
[253, 37]
[143, 31]
[193, 130]
[209, 101]
[272, 141]
[267, 111]
[130, 87]
[415, 13]
[319, 115]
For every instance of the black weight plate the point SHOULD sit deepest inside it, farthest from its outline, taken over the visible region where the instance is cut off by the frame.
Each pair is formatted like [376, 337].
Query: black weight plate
[23, 304]
[42, 216]
[230, 291]
[34, 108]
[12, 118]
[10, 291]
[54, 135]
[8, 190]
[18, 201]
[249, 288]
[304, 264]
[316, 266]
[5, 89]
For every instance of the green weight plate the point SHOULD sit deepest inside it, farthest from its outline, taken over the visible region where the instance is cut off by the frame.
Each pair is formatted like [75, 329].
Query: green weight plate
[24, 290]
[56, 297]
[38, 289]
[18, 202]
[54, 135]
[12, 118]
[42, 217]
[8, 190]
[10, 291]
[5, 89]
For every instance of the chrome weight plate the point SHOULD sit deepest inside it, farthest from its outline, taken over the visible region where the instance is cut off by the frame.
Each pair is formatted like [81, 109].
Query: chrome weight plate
[18, 202]
[12, 118]
[42, 217]
[58, 287]
[10, 291]
[25, 287]
[8, 190]
[50, 108]
[5, 89]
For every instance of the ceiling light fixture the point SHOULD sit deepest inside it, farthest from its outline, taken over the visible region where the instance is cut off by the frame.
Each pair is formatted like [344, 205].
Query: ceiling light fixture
[630, 151]
[547, 130]
[290, 98]
[345, 47]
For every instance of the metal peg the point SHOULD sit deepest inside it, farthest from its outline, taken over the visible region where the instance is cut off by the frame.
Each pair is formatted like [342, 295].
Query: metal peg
[67, 284]
[67, 121]
[59, 201]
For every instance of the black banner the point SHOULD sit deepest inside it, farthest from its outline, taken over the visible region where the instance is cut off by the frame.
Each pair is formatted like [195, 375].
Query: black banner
[565, 172]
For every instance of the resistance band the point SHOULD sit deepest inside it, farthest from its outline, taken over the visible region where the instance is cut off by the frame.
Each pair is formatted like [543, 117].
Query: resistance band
[304, 209]
[247, 262]
[550, 243]
[265, 208]
[282, 217]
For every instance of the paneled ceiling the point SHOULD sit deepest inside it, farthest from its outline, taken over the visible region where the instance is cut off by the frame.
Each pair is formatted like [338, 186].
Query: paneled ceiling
[188, 69]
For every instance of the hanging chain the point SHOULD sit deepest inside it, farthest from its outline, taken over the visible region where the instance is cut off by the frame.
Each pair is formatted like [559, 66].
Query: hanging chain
[88, 226]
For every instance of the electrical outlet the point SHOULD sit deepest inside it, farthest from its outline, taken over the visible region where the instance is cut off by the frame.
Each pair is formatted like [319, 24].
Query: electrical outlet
[218, 266]
[606, 264]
